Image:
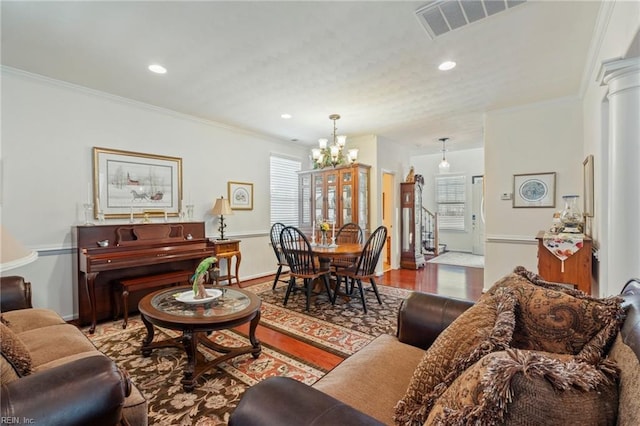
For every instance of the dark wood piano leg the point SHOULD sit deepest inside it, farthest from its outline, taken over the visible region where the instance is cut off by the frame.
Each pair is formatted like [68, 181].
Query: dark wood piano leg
[90, 285]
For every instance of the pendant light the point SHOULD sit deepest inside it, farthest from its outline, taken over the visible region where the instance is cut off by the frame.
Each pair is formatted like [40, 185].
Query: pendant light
[444, 165]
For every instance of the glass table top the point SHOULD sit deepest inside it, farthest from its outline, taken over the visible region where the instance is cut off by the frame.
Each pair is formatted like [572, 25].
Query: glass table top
[231, 301]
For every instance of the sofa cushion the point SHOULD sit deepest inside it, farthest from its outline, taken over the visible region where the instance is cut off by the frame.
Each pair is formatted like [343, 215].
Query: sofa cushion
[554, 318]
[485, 327]
[14, 351]
[529, 387]
[629, 387]
[50, 343]
[30, 319]
[358, 377]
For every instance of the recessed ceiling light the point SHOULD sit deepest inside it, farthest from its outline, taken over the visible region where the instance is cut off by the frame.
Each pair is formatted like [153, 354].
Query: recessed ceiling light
[158, 69]
[447, 65]
[286, 116]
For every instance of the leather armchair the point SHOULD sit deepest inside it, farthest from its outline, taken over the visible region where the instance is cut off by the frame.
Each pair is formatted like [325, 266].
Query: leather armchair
[85, 391]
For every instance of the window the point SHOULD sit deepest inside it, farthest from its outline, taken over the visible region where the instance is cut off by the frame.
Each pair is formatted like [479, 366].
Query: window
[450, 197]
[284, 190]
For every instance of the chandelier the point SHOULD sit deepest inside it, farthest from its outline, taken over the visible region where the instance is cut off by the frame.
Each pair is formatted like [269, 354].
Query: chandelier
[333, 155]
[444, 165]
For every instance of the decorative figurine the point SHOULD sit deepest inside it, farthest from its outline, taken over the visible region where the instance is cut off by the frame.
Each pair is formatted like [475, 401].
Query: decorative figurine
[411, 175]
[199, 292]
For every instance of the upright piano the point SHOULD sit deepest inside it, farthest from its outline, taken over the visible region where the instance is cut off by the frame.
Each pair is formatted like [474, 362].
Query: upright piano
[107, 253]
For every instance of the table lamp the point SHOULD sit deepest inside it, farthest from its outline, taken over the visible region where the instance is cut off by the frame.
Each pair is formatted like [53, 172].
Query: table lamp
[222, 208]
[13, 254]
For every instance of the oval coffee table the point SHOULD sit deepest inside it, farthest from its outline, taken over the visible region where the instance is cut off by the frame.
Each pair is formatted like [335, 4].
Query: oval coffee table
[196, 321]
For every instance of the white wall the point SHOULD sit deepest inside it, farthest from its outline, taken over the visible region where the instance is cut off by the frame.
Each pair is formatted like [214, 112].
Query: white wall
[618, 25]
[537, 138]
[392, 158]
[48, 131]
[470, 163]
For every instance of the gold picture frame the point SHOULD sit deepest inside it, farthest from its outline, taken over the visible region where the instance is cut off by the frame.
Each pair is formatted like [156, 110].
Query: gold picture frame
[132, 184]
[587, 169]
[240, 195]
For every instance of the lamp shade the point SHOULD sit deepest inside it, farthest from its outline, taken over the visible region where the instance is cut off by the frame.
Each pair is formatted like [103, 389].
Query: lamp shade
[222, 207]
[12, 253]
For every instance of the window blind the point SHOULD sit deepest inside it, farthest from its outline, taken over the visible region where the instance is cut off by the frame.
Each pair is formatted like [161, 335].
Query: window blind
[451, 197]
[284, 190]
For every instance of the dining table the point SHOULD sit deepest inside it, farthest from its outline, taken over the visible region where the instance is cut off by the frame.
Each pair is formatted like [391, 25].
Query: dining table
[327, 253]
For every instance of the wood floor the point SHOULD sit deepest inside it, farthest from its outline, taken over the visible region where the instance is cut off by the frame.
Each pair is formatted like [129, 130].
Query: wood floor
[456, 281]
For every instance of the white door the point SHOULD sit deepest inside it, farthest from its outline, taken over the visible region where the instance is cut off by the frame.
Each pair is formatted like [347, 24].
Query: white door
[477, 214]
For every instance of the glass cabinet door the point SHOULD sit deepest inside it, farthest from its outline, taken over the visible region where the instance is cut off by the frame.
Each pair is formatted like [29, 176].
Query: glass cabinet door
[363, 199]
[332, 196]
[347, 197]
[305, 200]
[318, 202]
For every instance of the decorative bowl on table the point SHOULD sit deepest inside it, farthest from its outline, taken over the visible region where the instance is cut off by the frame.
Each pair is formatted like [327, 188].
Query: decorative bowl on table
[189, 296]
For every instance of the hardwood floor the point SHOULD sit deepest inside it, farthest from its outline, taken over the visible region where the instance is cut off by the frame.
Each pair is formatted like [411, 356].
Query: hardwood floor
[455, 281]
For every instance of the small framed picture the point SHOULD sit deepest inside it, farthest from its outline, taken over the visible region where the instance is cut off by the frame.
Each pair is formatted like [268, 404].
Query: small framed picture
[534, 190]
[240, 195]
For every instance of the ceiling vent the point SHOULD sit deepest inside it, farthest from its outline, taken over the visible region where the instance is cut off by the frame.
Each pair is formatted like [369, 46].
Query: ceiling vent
[441, 16]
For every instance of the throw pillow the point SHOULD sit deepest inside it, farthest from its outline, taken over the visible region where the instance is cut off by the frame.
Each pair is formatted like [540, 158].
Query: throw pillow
[15, 351]
[529, 387]
[554, 318]
[484, 328]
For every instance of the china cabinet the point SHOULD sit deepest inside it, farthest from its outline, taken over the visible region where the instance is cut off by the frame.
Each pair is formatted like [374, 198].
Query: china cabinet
[338, 195]
[411, 256]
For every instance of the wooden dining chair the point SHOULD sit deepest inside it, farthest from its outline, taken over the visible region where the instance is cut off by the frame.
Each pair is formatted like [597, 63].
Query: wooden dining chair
[365, 267]
[276, 230]
[348, 233]
[301, 261]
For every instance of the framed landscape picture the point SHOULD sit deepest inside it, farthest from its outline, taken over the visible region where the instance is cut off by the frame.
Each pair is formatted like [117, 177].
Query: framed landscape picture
[534, 190]
[131, 184]
[240, 195]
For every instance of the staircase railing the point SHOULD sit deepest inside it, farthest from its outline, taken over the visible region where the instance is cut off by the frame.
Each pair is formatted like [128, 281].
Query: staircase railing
[430, 238]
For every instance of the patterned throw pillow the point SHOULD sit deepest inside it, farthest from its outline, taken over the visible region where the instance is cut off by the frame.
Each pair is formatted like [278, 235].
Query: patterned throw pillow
[484, 328]
[554, 318]
[529, 387]
[14, 351]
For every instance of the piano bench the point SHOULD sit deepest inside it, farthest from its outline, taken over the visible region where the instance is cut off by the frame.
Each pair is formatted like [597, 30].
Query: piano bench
[124, 286]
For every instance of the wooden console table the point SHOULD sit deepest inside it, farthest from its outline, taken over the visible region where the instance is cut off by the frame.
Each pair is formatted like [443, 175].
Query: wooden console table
[576, 269]
[227, 249]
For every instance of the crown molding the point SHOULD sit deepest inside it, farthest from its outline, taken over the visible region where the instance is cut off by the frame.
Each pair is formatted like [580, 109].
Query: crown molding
[137, 104]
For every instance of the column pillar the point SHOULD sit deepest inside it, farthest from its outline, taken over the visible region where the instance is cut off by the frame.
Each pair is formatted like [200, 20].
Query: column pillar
[622, 77]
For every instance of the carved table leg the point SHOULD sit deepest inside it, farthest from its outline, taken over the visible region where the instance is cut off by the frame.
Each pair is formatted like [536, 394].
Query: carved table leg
[255, 343]
[189, 340]
[146, 342]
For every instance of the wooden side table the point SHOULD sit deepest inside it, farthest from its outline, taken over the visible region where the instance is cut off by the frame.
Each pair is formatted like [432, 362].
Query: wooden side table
[227, 249]
[577, 268]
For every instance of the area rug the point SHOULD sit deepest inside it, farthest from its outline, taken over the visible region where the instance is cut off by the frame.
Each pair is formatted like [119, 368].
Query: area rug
[342, 329]
[216, 394]
[457, 258]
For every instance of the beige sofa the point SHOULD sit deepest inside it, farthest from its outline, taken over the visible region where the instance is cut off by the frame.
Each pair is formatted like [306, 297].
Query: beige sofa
[52, 374]
[366, 387]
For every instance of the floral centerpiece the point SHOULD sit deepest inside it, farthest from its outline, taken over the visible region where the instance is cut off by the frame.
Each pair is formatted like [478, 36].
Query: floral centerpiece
[324, 227]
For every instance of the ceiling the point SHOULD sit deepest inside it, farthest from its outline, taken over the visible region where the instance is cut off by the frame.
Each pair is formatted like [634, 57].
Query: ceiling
[244, 63]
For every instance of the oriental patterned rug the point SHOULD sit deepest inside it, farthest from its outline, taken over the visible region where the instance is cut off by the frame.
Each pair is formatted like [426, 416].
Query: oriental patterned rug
[342, 329]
